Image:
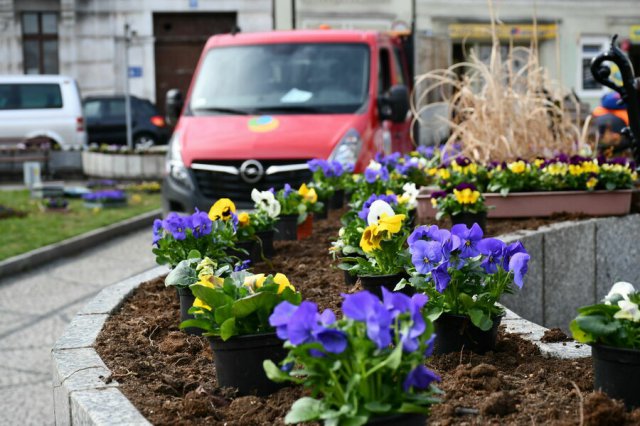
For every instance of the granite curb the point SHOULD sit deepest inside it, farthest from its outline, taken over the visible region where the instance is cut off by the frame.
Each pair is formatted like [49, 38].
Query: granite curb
[72, 245]
[81, 394]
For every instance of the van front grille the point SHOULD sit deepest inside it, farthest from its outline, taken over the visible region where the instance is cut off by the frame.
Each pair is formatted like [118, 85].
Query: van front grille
[216, 184]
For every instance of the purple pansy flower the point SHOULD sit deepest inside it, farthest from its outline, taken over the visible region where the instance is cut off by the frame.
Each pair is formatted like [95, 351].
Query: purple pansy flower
[469, 239]
[493, 250]
[364, 306]
[157, 231]
[420, 378]
[425, 255]
[441, 276]
[176, 225]
[200, 224]
[280, 318]
[518, 264]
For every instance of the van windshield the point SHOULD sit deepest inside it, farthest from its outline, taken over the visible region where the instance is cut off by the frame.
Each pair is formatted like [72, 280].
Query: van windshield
[296, 78]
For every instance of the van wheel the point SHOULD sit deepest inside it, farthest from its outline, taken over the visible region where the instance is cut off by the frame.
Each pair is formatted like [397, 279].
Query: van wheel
[144, 140]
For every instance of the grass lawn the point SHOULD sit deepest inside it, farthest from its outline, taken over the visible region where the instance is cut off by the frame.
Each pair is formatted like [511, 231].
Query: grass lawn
[40, 228]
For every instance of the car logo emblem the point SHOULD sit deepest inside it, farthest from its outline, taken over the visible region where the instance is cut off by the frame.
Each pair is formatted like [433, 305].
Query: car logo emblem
[251, 171]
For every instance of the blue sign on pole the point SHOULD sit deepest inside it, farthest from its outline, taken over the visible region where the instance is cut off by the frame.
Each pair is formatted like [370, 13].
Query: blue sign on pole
[193, 4]
[135, 72]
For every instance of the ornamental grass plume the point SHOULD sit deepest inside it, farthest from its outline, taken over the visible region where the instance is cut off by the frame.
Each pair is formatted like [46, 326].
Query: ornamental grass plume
[499, 110]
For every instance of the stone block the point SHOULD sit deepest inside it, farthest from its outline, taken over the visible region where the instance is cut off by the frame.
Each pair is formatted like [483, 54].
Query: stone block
[61, 406]
[104, 407]
[569, 271]
[528, 301]
[617, 253]
[78, 369]
[81, 332]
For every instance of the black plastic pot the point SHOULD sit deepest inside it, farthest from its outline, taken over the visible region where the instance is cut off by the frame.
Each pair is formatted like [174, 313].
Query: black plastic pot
[287, 228]
[616, 372]
[239, 361]
[399, 420]
[470, 218]
[455, 332]
[186, 302]
[249, 247]
[324, 213]
[337, 199]
[266, 244]
[374, 283]
[350, 280]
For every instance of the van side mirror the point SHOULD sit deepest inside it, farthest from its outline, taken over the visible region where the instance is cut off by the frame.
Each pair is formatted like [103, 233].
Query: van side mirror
[394, 104]
[174, 103]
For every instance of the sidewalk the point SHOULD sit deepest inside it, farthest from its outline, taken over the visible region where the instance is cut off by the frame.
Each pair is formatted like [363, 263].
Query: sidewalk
[36, 306]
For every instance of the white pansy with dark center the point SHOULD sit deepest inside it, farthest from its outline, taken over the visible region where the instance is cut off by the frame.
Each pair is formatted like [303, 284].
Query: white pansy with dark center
[374, 165]
[377, 209]
[411, 193]
[628, 310]
[266, 201]
[619, 289]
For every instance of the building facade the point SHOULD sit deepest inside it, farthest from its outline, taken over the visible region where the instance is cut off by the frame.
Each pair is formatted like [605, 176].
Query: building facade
[86, 39]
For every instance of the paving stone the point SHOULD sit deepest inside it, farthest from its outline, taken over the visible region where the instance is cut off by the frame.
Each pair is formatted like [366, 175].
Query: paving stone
[27, 404]
[569, 271]
[81, 332]
[104, 407]
[618, 253]
[528, 302]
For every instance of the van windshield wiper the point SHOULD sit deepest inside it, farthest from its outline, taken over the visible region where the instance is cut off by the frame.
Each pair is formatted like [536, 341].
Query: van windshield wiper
[235, 111]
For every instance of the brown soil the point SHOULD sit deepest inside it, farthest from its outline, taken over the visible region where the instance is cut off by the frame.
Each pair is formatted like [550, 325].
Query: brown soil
[169, 376]
[555, 335]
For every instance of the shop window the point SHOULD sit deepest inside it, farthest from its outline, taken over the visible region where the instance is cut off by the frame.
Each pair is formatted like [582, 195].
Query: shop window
[40, 42]
[590, 47]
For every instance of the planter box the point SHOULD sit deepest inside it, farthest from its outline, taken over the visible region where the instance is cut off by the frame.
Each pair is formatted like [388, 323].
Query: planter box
[120, 166]
[544, 204]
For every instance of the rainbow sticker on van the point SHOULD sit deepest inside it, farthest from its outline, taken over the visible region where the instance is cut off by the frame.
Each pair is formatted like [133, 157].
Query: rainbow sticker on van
[263, 124]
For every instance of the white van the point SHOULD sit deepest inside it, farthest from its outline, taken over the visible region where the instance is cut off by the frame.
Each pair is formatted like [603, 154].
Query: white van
[41, 107]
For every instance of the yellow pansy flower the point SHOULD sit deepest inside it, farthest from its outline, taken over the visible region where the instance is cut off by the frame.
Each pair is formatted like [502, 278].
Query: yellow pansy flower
[371, 238]
[471, 169]
[592, 182]
[210, 281]
[434, 203]
[556, 169]
[244, 219]
[538, 162]
[257, 281]
[432, 171]
[444, 174]
[391, 224]
[590, 167]
[309, 194]
[466, 196]
[517, 166]
[403, 199]
[222, 209]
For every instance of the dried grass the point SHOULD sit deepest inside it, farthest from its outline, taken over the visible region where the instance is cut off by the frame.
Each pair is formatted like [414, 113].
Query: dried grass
[499, 112]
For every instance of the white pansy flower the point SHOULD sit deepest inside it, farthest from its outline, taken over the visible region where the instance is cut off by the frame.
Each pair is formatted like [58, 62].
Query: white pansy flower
[377, 209]
[266, 201]
[411, 194]
[341, 232]
[621, 289]
[374, 165]
[628, 310]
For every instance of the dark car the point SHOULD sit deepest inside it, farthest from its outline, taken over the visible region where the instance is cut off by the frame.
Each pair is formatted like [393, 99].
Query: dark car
[106, 123]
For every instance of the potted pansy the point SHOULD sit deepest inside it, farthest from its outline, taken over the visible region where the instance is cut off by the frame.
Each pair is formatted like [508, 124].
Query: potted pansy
[612, 328]
[233, 313]
[181, 241]
[328, 179]
[376, 179]
[463, 205]
[382, 242]
[264, 219]
[105, 198]
[464, 275]
[313, 206]
[366, 368]
[295, 209]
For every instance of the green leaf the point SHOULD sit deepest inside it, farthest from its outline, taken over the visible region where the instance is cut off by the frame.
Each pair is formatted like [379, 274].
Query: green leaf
[597, 325]
[504, 192]
[223, 313]
[303, 410]
[203, 324]
[377, 407]
[354, 421]
[194, 254]
[211, 296]
[579, 334]
[413, 408]
[273, 372]
[228, 329]
[466, 301]
[183, 275]
[248, 305]
[480, 319]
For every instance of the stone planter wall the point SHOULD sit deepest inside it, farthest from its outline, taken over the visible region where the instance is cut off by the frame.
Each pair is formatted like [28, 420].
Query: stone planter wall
[65, 161]
[120, 166]
[574, 264]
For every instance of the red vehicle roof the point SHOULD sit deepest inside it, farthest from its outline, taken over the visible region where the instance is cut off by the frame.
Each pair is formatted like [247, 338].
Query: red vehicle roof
[296, 36]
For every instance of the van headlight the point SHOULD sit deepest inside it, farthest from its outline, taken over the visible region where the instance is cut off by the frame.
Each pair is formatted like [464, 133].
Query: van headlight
[348, 149]
[174, 166]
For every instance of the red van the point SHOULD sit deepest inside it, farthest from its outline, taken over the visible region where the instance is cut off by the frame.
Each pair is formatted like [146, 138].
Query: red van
[261, 105]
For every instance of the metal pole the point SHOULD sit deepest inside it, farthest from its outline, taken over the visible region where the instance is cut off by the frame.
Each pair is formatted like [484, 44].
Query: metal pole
[127, 98]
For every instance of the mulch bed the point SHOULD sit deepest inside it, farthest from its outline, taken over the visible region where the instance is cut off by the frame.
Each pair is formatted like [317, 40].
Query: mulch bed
[169, 376]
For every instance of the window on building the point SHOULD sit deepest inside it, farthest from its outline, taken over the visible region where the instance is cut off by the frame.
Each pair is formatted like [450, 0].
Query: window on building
[40, 42]
[590, 47]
